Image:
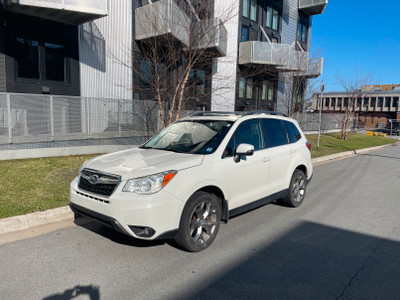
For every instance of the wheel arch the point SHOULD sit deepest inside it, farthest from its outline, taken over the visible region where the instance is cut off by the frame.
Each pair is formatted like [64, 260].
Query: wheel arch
[302, 168]
[220, 194]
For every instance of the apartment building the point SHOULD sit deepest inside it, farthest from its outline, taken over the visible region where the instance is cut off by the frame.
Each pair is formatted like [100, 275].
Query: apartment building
[85, 48]
[373, 104]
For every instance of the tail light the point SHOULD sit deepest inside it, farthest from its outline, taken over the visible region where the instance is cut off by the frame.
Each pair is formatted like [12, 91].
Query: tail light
[308, 146]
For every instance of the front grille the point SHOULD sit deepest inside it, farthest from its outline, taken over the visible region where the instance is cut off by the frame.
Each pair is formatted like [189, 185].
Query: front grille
[97, 182]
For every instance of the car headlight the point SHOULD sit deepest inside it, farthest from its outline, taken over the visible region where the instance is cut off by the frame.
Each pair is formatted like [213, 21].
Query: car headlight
[150, 184]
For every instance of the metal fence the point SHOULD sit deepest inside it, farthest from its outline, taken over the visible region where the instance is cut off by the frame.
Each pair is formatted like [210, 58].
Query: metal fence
[27, 118]
[329, 122]
[30, 118]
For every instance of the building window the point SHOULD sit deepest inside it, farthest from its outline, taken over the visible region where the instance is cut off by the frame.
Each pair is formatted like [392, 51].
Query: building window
[145, 73]
[245, 88]
[272, 18]
[395, 101]
[249, 88]
[333, 102]
[246, 7]
[302, 29]
[373, 101]
[380, 102]
[387, 101]
[40, 61]
[27, 57]
[359, 102]
[245, 33]
[242, 86]
[250, 9]
[366, 100]
[267, 91]
[200, 82]
[55, 62]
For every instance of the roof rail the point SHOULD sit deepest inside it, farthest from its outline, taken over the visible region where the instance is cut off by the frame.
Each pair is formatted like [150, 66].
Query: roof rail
[266, 112]
[213, 113]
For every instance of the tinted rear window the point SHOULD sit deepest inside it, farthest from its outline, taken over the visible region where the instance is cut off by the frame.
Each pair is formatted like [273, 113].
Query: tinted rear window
[274, 133]
[293, 133]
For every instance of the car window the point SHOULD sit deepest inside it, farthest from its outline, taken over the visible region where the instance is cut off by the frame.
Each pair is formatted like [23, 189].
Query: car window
[293, 132]
[249, 132]
[198, 137]
[274, 133]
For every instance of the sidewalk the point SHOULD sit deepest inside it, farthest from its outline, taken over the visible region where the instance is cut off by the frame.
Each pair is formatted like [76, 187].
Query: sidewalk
[32, 220]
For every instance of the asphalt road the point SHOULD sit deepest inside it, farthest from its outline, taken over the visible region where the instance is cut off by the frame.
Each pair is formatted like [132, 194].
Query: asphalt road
[342, 243]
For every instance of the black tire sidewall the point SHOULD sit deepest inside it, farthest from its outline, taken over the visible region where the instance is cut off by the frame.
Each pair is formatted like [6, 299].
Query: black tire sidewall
[183, 238]
[289, 198]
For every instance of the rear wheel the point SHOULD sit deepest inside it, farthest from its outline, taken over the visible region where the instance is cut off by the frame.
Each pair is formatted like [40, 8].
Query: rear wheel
[200, 222]
[297, 189]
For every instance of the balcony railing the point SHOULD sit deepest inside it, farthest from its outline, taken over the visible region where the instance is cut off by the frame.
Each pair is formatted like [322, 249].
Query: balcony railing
[213, 37]
[282, 56]
[162, 18]
[72, 12]
[314, 69]
[313, 7]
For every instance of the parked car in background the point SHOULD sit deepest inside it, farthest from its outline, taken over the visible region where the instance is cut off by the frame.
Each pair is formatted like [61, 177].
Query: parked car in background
[392, 128]
[194, 174]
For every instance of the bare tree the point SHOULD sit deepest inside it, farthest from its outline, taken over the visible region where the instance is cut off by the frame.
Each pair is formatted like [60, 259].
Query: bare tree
[352, 86]
[298, 88]
[172, 59]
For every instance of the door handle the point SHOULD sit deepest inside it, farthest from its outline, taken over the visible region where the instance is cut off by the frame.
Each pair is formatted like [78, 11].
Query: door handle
[292, 151]
[266, 159]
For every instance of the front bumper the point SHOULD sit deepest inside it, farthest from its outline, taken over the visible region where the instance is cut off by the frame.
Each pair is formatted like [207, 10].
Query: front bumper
[141, 216]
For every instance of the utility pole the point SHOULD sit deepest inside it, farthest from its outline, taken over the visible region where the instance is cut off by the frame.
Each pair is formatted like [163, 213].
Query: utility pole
[320, 112]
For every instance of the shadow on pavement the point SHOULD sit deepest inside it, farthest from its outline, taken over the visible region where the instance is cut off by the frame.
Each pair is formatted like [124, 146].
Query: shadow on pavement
[92, 293]
[313, 261]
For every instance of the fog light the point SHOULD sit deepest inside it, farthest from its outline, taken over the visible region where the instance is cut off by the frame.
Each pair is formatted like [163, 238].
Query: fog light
[142, 231]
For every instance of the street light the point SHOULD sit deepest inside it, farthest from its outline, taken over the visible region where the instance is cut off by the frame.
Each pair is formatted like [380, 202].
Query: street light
[320, 112]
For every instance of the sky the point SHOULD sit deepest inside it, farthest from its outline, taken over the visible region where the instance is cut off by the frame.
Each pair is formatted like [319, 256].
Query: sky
[358, 35]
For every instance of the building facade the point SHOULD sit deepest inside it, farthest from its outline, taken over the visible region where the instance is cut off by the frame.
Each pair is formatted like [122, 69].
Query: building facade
[260, 49]
[374, 105]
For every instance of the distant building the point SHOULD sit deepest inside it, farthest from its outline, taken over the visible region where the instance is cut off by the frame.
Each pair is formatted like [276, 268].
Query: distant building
[374, 104]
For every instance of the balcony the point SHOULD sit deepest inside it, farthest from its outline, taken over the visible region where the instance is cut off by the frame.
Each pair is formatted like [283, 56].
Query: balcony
[73, 12]
[282, 56]
[313, 7]
[314, 68]
[162, 19]
[213, 37]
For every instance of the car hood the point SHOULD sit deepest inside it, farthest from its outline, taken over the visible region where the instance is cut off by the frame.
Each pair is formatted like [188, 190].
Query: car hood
[137, 162]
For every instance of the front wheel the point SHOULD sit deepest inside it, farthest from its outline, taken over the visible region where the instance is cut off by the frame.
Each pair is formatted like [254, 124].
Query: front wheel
[297, 189]
[200, 222]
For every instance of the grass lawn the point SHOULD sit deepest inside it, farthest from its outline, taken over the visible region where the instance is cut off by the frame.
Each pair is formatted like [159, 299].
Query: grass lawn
[30, 185]
[331, 143]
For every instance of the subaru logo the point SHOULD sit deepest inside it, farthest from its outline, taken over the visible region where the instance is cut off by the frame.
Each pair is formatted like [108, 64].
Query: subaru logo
[94, 179]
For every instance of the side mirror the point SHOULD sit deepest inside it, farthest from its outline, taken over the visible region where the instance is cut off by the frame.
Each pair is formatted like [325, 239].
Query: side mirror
[243, 150]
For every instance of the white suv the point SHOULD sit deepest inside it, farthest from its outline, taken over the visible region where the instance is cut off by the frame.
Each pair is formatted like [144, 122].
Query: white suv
[198, 171]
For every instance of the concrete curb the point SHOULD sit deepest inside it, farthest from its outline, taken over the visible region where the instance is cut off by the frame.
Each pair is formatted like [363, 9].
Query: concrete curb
[64, 213]
[28, 221]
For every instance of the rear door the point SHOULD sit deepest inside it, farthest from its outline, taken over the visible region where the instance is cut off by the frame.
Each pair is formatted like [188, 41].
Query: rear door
[279, 152]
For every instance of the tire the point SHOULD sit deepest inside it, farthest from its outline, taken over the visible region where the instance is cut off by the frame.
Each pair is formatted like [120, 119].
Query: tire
[297, 189]
[200, 222]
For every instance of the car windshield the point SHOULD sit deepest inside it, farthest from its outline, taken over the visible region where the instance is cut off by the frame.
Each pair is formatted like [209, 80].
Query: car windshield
[198, 137]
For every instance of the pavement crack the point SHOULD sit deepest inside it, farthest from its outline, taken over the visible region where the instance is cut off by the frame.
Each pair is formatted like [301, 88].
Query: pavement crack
[349, 283]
